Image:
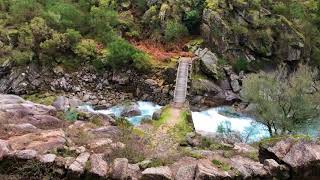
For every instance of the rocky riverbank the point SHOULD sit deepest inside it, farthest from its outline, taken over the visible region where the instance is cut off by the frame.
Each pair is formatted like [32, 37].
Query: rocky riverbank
[105, 89]
[37, 142]
[113, 87]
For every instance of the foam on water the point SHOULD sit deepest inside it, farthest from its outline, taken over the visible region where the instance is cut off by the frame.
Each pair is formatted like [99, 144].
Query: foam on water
[146, 108]
[207, 122]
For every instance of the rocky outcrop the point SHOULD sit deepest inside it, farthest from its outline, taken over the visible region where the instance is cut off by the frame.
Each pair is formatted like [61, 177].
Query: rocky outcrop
[236, 33]
[213, 84]
[107, 89]
[301, 156]
[208, 62]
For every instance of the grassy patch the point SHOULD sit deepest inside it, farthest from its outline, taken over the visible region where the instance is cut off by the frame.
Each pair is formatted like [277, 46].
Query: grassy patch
[252, 155]
[65, 152]
[193, 154]
[166, 113]
[41, 98]
[161, 162]
[221, 165]
[198, 76]
[273, 140]
[183, 127]
[211, 144]
[96, 120]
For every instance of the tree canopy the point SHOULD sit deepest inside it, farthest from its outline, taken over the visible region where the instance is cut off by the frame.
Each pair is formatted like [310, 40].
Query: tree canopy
[284, 103]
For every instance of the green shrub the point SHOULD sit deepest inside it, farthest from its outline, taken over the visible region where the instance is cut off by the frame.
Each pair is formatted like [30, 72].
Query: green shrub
[73, 36]
[87, 49]
[120, 54]
[192, 20]
[141, 5]
[103, 21]
[22, 57]
[23, 11]
[71, 115]
[141, 61]
[174, 31]
[241, 65]
[63, 15]
[239, 29]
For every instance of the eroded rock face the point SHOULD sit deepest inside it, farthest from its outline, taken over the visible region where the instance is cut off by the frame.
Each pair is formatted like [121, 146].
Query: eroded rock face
[47, 158]
[26, 116]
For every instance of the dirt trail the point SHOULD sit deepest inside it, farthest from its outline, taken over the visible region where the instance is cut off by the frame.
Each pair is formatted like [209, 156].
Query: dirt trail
[163, 141]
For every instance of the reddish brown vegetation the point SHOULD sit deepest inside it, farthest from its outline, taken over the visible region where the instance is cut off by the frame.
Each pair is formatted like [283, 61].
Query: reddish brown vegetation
[162, 52]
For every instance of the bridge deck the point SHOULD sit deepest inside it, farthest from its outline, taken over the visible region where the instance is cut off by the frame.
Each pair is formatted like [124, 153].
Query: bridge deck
[180, 92]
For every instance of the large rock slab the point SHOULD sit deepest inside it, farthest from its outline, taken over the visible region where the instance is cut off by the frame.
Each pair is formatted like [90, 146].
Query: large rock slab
[78, 166]
[206, 171]
[120, 169]
[157, 173]
[248, 168]
[302, 156]
[42, 142]
[184, 169]
[208, 62]
[98, 165]
[4, 148]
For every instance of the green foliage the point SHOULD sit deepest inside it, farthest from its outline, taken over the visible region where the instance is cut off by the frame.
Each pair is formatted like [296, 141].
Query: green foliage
[141, 5]
[141, 61]
[120, 53]
[71, 115]
[102, 21]
[87, 49]
[22, 57]
[41, 98]
[23, 11]
[239, 28]
[63, 15]
[165, 114]
[241, 65]
[221, 165]
[183, 127]
[174, 31]
[212, 144]
[73, 36]
[224, 128]
[283, 104]
[192, 20]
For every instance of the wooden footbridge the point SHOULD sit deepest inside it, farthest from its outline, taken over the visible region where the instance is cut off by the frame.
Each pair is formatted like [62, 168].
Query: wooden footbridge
[182, 79]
